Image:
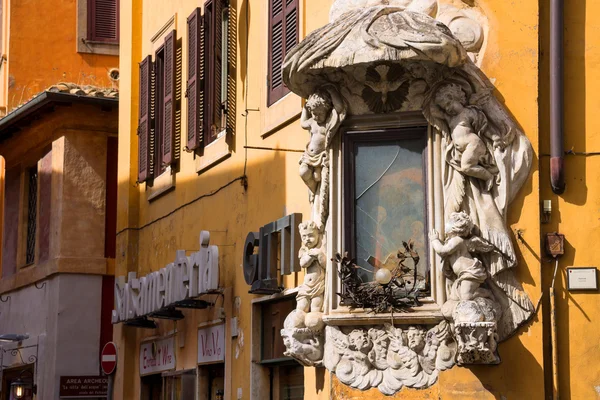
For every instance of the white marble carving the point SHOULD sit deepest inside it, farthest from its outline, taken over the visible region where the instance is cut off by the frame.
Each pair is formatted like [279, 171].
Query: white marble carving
[390, 56]
[322, 115]
[389, 357]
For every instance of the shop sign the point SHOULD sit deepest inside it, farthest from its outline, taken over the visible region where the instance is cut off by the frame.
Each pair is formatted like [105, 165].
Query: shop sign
[211, 344]
[263, 259]
[157, 356]
[186, 278]
[83, 387]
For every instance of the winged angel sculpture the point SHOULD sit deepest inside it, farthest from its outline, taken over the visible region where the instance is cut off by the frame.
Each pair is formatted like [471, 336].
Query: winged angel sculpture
[482, 155]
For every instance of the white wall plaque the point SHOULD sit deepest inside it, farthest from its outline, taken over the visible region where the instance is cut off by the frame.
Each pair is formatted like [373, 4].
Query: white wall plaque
[211, 344]
[157, 356]
[583, 278]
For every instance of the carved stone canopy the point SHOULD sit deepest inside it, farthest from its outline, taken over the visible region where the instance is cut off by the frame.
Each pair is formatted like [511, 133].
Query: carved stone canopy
[391, 56]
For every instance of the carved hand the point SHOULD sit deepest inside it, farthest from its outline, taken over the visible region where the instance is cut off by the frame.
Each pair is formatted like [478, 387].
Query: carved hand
[434, 235]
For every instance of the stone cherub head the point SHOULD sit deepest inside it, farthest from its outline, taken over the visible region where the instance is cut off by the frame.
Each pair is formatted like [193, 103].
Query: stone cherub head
[459, 224]
[309, 234]
[359, 341]
[451, 98]
[319, 104]
[416, 339]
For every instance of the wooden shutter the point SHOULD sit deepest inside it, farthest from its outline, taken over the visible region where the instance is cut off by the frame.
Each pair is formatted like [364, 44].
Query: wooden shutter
[194, 82]
[103, 20]
[283, 35]
[146, 70]
[169, 99]
[217, 63]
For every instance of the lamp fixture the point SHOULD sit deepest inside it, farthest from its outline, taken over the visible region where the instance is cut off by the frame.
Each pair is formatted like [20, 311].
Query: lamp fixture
[13, 337]
[20, 385]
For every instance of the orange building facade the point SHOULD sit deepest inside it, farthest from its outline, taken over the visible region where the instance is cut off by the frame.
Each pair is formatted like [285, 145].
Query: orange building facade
[58, 142]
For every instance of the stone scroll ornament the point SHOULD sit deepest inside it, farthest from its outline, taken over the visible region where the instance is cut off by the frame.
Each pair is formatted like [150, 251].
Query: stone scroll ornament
[390, 56]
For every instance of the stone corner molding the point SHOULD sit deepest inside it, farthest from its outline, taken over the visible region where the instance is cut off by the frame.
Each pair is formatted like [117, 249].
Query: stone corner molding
[394, 56]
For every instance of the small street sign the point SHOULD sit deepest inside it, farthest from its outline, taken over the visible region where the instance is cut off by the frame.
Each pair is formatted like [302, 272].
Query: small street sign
[108, 359]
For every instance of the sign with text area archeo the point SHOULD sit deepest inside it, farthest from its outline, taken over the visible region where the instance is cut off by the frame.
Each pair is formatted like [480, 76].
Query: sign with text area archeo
[83, 387]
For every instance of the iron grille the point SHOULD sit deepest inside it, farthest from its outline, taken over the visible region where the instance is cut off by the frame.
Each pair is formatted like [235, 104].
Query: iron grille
[31, 215]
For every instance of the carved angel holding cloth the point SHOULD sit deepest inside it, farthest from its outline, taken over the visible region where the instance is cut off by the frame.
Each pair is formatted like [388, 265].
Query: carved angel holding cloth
[480, 177]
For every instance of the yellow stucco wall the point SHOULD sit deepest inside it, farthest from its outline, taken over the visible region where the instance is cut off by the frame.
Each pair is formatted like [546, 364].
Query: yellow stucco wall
[576, 213]
[275, 189]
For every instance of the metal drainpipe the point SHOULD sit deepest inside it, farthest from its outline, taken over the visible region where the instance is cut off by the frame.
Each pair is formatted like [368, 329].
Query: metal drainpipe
[557, 175]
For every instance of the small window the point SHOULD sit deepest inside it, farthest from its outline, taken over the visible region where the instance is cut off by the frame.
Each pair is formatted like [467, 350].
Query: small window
[273, 316]
[32, 187]
[385, 200]
[216, 18]
[211, 381]
[283, 35]
[158, 110]
[208, 88]
[287, 382]
[103, 21]
[285, 375]
[152, 387]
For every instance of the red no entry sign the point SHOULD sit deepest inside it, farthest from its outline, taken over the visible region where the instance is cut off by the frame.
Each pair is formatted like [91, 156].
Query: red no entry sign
[108, 359]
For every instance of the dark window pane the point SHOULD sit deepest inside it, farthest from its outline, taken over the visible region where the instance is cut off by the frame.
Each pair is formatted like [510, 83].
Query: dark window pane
[273, 316]
[389, 202]
[31, 214]
[291, 382]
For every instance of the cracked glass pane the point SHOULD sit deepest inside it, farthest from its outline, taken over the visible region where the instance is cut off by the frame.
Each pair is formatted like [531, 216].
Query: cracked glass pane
[390, 205]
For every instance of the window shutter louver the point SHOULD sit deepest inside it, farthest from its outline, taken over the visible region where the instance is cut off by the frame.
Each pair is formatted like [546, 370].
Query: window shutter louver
[283, 35]
[217, 60]
[103, 20]
[194, 90]
[146, 67]
[291, 26]
[169, 98]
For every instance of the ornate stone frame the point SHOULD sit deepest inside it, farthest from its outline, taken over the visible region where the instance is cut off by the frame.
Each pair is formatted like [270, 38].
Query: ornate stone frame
[429, 312]
[388, 64]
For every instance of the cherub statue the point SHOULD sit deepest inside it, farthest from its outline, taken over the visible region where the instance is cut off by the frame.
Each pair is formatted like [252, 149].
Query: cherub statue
[460, 243]
[312, 257]
[466, 123]
[322, 115]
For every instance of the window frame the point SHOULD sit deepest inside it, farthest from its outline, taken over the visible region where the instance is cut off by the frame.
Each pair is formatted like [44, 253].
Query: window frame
[375, 136]
[84, 43]
[429, 311]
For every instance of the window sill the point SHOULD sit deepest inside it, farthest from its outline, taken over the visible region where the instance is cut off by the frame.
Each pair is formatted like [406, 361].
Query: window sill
[214, 153]
[428, 313]
[162, 184]
[91, 47]
[280, 114]
[275, 127]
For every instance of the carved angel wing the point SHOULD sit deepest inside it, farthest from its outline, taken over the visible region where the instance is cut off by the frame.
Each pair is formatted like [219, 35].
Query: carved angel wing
[475, 244]
[341, 108]
[433, 114]
[515, 303]
[339, 340]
